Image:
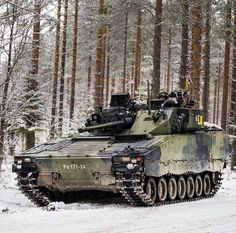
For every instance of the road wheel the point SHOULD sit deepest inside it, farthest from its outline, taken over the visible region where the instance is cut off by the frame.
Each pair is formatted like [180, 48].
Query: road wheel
[162, 189]
[151, 190]
[198, 186]
[172, 188]
[206, 185]
[190, 187]
[181, 188]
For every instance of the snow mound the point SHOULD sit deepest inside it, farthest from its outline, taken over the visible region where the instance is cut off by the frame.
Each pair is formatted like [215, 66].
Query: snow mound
[11, 198]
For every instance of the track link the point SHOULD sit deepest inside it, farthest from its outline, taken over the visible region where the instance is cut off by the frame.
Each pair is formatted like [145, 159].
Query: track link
[133, 192]
[28, 187]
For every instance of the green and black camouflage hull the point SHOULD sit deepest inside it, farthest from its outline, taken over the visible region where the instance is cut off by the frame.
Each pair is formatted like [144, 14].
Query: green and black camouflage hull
[91, 163]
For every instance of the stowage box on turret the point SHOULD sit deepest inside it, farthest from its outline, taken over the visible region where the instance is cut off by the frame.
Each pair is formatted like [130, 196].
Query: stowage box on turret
[151, 154]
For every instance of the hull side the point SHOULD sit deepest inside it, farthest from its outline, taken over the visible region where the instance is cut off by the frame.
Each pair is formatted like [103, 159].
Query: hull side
[194, 153]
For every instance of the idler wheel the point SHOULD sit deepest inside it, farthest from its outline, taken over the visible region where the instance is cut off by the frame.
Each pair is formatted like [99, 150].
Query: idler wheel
[190, 187]
[181, 188]
[206, 185]
[151, 190]
[162, 189]
[198, 186]
[172, 188]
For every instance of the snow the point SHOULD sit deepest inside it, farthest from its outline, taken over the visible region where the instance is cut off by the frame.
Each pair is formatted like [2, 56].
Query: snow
[18, 214]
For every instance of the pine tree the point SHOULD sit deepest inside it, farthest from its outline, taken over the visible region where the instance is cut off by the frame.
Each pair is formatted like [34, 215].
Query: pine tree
[137, 64]
[206, 58]
[224, 113]
[74, 61]
[215, 101]
[31, 95]
[108, 71]
[63, 64]
[184, 45]
[232, 127]
[100, 60]
[89, 82]
[218, 93]
[55, 74]
[157, 49]
[125, 52]
[196, 53]
[168, 74]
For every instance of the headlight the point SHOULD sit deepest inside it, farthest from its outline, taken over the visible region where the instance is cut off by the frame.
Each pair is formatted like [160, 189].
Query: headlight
[27, 160]
[133, 160]
[19, 161]
[18, 166]
[125, 159]
[121, 159]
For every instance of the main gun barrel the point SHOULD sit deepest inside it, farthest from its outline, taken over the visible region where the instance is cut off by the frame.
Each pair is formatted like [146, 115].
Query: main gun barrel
[123, 123]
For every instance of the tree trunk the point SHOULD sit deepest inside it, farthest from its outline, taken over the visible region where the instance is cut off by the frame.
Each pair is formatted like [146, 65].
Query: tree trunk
[127, 90]
[104, 54]
[224, 113]
[184, 45]
[99, 75]
[108, 72]
[113, 84]
[137, 64]
[63, 63]
[90, 66]
[218, 93]
[157, 49]
[55, 73]
[196, 53]
[206, 90]
[168, 78]
[215, 101]
[30, 135]
[233, 95]
[74, 59]
[132, 71]
[125, 52]
[6, 86]
[89, 72]
[233, 86]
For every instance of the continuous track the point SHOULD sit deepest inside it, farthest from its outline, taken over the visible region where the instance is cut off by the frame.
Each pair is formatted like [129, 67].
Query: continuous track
[132, 190]
[130, 187]
[28, 186]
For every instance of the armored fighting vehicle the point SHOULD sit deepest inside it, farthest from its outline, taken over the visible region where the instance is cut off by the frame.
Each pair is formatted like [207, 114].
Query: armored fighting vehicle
[151, 154]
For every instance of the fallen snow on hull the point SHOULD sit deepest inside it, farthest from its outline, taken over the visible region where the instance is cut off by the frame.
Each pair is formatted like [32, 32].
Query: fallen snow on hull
[18, 214]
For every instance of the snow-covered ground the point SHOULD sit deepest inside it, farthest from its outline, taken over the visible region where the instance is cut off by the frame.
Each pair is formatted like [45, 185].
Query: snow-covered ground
[19, 215]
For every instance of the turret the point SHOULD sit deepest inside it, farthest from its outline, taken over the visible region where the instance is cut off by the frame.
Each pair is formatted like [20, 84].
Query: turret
[170, 113]
[117, 118]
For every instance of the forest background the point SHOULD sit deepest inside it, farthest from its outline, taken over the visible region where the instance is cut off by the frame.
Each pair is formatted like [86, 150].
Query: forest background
[62, 59]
